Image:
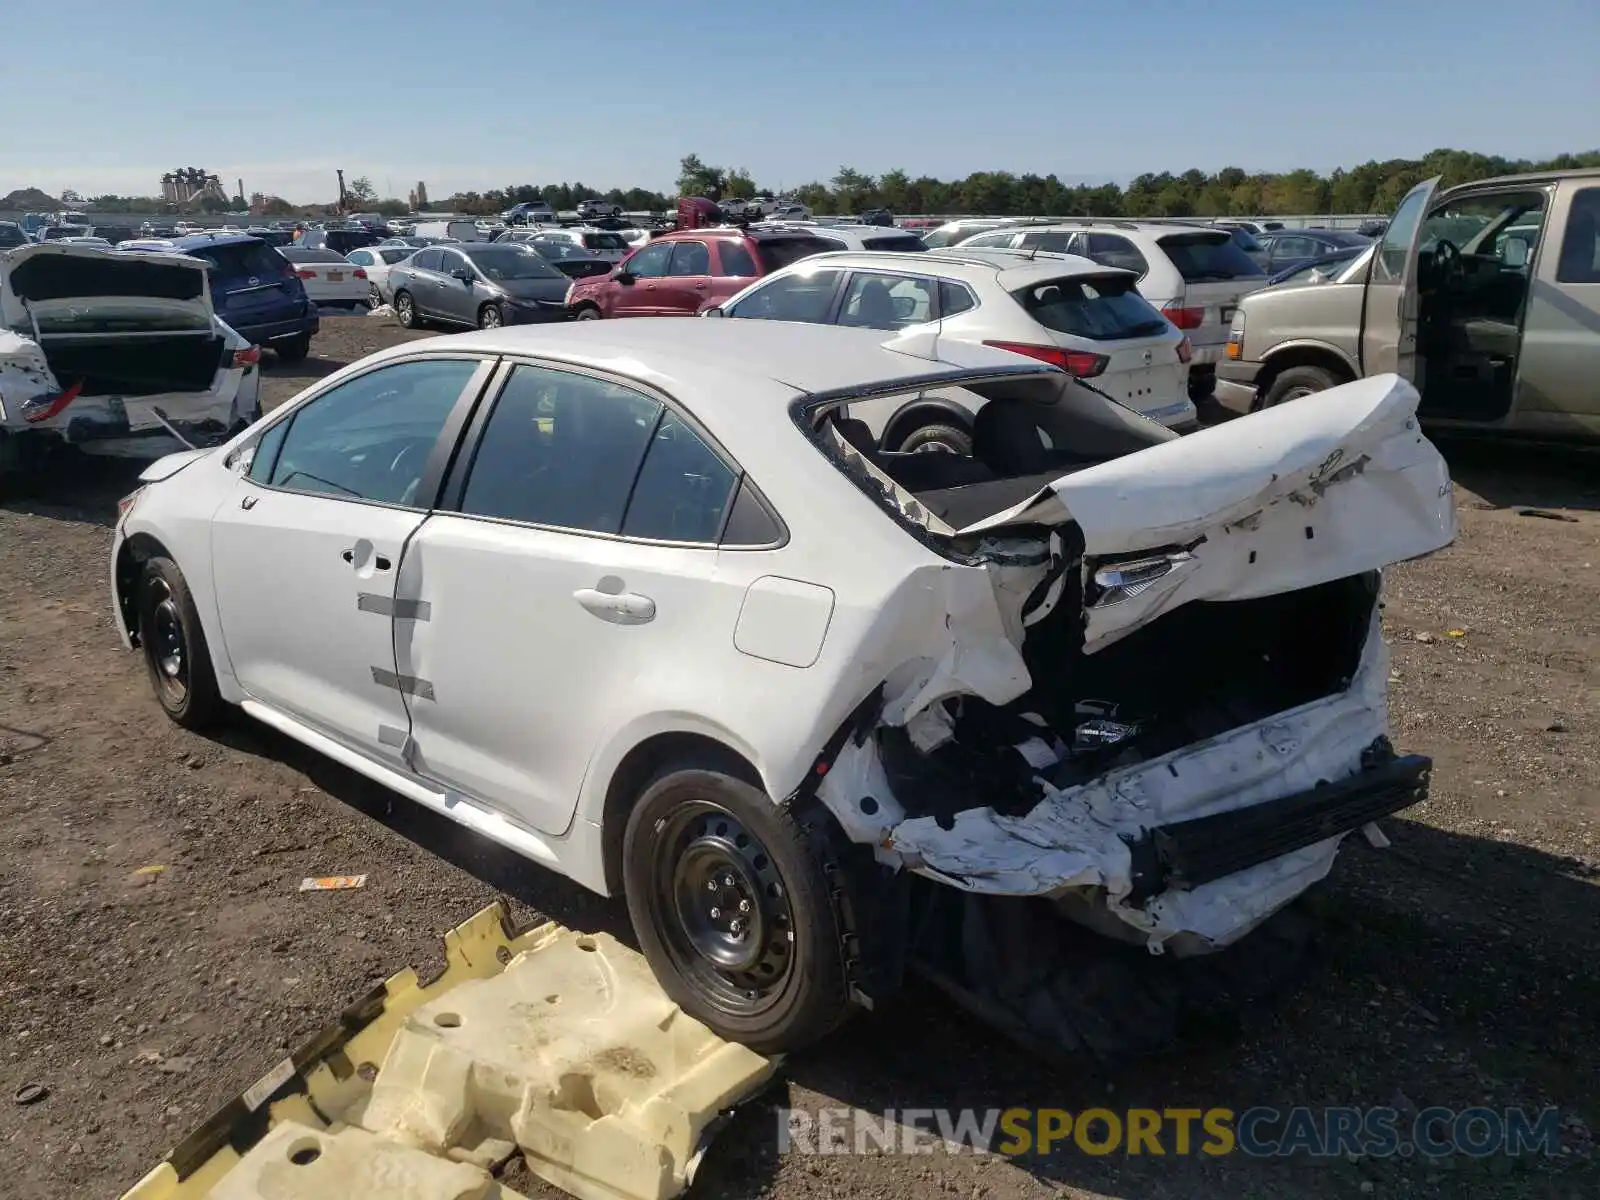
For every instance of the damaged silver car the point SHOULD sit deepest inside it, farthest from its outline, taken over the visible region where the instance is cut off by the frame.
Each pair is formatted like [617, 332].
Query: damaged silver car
[645, 601]
[115, 354]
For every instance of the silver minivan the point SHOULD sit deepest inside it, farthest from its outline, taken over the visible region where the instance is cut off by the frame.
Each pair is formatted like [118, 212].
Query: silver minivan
[1485, 295]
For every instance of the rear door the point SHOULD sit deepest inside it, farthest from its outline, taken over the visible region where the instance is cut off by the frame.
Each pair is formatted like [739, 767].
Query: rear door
[1560, 357]
[687, 284]
[1392, 307]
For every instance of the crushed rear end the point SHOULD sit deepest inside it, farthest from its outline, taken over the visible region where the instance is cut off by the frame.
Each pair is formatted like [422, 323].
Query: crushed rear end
[1158, 697]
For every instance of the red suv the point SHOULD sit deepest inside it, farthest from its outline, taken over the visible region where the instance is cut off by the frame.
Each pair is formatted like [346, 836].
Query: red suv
[678, 274]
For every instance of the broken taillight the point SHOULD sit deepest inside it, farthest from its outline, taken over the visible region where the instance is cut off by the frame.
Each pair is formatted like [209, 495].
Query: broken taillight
[1185, 350]
[248, 357]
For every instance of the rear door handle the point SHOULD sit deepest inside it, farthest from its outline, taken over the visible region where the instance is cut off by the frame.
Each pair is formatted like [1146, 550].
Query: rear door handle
[380, 561]
[620, 608]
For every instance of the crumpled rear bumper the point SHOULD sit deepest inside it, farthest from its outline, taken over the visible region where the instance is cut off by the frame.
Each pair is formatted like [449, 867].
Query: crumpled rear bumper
[1209, 840]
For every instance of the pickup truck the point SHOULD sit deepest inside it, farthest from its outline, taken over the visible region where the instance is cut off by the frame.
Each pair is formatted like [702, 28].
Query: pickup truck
[1486, 296]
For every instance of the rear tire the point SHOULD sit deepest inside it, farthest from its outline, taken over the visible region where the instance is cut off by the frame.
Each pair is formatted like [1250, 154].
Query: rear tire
[1297, 383]
[174, 646]
[937, 438]
[405, 311]
[294, 349]
[374, 296]
[731, 905]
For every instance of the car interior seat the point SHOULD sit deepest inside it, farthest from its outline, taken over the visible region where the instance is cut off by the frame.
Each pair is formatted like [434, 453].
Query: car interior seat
[874, 307]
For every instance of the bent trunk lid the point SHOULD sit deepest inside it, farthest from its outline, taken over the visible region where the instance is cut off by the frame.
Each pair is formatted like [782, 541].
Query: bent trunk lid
[45, 281]
[1288, 498]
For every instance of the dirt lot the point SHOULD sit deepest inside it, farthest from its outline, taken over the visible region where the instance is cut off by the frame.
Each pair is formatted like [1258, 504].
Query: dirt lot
[1457, 968]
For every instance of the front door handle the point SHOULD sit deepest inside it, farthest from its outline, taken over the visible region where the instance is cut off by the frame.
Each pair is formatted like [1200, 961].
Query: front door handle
[620, 608]
[379, 561]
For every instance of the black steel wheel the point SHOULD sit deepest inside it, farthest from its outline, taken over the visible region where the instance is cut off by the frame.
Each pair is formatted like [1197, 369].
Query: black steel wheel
[174, 645]
[728, 898]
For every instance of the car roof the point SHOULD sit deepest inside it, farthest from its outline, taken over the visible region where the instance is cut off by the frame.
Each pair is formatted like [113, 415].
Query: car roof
[700, 356]
[1013, 268]
[196, 240]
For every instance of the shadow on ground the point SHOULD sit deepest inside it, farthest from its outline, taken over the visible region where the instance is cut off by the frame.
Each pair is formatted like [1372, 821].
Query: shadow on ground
[1446, 972]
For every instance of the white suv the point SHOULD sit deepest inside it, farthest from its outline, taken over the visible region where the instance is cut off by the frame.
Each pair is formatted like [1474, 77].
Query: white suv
[857, 237]
[1078, 315]
[1195, 275]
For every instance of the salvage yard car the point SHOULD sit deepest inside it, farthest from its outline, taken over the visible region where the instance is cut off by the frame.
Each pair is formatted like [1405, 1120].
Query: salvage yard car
[625, 598]
[1087, 319]
[1486, 296]
[257, 291]
[477, 283]
[114, 354]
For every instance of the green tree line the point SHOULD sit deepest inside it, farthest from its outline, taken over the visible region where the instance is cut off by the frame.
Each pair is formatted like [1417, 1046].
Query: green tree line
[1371, 187]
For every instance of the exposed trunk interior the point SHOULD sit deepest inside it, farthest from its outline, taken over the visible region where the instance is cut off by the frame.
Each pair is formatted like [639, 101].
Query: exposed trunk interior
[1200, 671]
[136, 366]
[68, 276]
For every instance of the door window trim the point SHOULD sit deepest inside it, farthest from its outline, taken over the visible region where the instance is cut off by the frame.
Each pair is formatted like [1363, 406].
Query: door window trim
[454, 487]
[440, 457]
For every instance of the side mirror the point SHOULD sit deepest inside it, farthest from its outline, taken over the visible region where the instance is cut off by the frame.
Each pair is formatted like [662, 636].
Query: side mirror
[624, 277]
[713, 312]
[1516, 252]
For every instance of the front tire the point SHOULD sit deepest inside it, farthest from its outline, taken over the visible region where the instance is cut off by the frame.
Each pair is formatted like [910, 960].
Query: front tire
[1298, 382]
[174, 646]
[729, 900]
[588, 313]
[490, 317]
[405, 311]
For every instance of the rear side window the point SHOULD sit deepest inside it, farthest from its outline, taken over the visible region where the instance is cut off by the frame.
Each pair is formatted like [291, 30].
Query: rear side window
[1104, 309]
[560, 449]
[736, 260]
[395, 254]
[690, 258]
[1051, 240]
[903, 243]
[1110, 250]
[777, 253]
[604, 241]
[1207, 257]
[803, 296]
[242, 260]
[875, 301]
[1580, 245]
[683, 490]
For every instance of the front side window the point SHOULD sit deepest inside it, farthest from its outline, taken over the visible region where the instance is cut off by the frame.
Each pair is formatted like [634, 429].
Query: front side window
[367, 439]
[1389, 263]
[560, 449]
[649, 262]
[887, 301]
[1580, 245]
[803, 296]
[683, 490]
[690, 258]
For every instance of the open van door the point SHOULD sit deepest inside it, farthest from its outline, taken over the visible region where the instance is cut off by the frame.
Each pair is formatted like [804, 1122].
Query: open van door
[1389, 323]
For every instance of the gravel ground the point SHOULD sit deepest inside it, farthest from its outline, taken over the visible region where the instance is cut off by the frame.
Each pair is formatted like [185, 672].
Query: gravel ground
[1456, 968]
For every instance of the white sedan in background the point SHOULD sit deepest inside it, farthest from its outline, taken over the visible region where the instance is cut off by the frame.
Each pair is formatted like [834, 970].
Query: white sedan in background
[376, 261]
[330, 279]
[630, 598]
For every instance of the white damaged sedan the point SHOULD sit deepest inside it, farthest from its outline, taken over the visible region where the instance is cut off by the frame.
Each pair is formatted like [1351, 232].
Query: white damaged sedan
[115, 353]
[643, 601]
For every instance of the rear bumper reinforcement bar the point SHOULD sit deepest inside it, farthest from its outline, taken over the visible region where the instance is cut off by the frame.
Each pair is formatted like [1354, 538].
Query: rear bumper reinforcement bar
[1189, 853]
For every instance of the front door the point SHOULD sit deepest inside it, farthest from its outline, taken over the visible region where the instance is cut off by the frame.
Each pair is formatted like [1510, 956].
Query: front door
[647, 267]
[1392, 308]
[541, 634]
[688, 281]
[306, 551]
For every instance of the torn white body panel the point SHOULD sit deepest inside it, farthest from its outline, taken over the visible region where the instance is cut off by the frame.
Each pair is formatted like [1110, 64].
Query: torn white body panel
[1079, 837]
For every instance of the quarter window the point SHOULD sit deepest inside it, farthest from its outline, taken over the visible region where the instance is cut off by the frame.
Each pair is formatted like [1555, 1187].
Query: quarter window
[370, 438]
[560, 449]
[683, 490]
[953, 299]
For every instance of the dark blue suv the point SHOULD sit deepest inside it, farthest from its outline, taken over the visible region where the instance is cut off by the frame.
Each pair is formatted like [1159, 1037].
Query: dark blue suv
[257, 292]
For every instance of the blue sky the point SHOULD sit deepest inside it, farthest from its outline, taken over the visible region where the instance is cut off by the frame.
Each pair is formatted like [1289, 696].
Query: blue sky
[106, 95]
